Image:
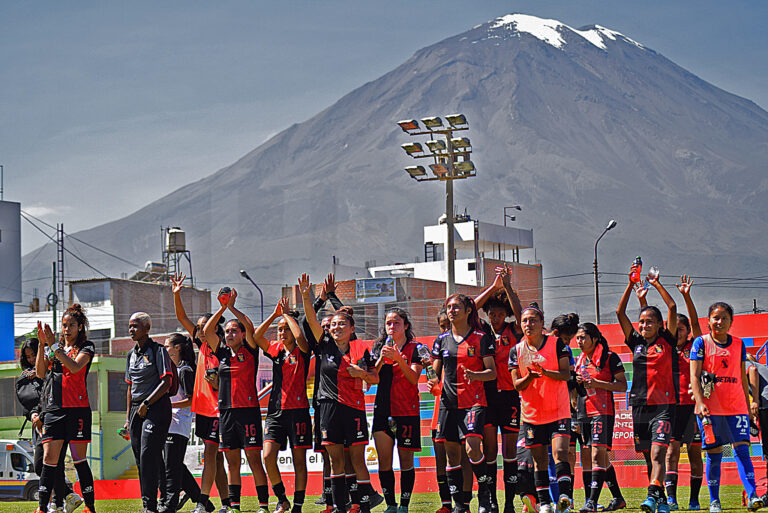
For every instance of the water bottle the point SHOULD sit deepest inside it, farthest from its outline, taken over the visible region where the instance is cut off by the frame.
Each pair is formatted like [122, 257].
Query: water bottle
[586, 377]
[391, 343]
[634, 276]
[224, 295]
[709, 431]
[122, 432]
[52, 351]
[653, 274]
[426, 361]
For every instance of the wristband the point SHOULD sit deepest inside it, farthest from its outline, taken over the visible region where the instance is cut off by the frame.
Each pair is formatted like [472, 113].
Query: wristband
[145, 402]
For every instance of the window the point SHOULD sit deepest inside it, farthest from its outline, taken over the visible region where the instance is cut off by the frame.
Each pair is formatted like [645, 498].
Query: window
[117, 389]
[19, 463]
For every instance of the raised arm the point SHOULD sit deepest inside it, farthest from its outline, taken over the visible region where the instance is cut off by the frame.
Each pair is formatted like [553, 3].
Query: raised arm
[314, 325]
[621, 311]
[671, 306]
[178, 307]
[514, 300]
[257, 337]
[685, 289]
[209, 331]
[489, 291]
[293, 325]
[244, 320]
[45, 337]
[641, 293]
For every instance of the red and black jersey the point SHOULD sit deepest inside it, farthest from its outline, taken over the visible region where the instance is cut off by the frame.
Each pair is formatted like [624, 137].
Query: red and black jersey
[602, 367]
[684, 366]
[457, 357]
[505, 341]
[655, 375]
[395, 395]
[63, 389]
[332, 379]
[289, 378]
[237, 377]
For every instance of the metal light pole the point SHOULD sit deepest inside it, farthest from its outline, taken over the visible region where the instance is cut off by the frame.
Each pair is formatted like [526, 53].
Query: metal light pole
[611, 225]
[507, 216]
[445, 153]
[261, 294]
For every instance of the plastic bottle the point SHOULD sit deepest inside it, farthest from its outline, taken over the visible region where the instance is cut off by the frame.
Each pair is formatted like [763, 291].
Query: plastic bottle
[52, 351]
[634, 276]
[224, 295]
[709, 431]
[124, 433]
[586, 377]
[426, 361]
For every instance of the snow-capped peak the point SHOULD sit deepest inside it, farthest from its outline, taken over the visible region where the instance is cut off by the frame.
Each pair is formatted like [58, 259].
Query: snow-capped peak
[551, 31]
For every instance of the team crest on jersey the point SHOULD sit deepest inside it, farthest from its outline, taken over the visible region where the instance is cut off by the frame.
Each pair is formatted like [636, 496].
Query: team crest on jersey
[240, 357]
[657, 349]
[470, 351]
[292, 359]
[529, 432]
[504, 341]
[724, 361]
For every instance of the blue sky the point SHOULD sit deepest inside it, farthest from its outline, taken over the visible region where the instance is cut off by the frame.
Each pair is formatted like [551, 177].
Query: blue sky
[138, 98]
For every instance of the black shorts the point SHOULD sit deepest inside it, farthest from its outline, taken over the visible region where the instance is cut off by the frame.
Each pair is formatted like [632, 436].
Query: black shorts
[292, 426]
[70, 424]
[207, 428]
[685, 429]
[341, 424]
[503, 411]
[240, 428]
[407, 430]
[576, 435]
[652, 425]
[456, 424]
[598, 431]
[524, 460]
[537, 435]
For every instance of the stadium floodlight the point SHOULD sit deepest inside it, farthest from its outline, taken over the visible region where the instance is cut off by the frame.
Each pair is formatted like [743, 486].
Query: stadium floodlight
[461, 142]
[464, 168]
[456, 119]
[436, 146]
[415, 171]
[411, 148]
[432, 123]
[409, 125]
[440, 170]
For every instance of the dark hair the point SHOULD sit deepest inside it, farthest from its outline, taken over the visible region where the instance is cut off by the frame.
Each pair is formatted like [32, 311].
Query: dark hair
[473, 319]
[594, 333]
[30, 343]
[565, 324]
[342, 312]
[725, 306]
[379, 342]
[683, 319]
[186, 353]
[239, 324]
[292, 313]
[219, 326]
[348, 310]
[534, 306]
[498, 300]
[655, 311]
[76, 312]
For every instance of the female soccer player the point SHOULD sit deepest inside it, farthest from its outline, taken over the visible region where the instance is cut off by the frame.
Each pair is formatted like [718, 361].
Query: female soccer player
[342, 365]
[722, 409]
[499, 302]
[239, 408]
[396, 409]
[540, 368]
[464, 359]
[66, 408]
[177, 475]
[655, 384]
[288, 410]
[204, 404]
[601, 373]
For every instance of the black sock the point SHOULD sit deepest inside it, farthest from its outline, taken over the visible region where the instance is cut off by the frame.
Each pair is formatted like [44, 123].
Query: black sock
[234, 495]
[443, 490]
[327, 495]
[85, 477]
[655, 491]
[339, 492]
[695, 489]
[586, 478]
[298, 501]
[387, 479]
[204, 499]
[491, 469]
[279, 491]
[541, 480]
[596, 484]
[564, 483]
[354, 495]
[364, 492]
[510, 484]
[612, 482]
[45, 486]
[670, 483]
[480, 469]
[407, 480]
[60, 487]
[225, 501]
[262, 493]
[455, 479]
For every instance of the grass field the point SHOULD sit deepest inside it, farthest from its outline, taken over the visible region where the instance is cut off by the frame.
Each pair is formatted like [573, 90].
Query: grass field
[730, 497]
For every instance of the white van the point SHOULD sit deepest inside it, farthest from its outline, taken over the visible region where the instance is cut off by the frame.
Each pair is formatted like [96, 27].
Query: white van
[17, 476]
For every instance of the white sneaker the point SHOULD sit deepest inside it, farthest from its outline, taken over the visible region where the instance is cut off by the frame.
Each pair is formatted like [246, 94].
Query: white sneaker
[546, 508]
[72, 502]
[199, 509]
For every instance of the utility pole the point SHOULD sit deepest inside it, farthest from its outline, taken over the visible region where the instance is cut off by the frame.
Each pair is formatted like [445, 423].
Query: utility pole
[60, 258]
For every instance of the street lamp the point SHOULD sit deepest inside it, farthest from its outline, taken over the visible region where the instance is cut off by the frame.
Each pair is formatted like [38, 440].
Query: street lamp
[245, 275]
[450, 156]
[507, 216]
[611, 226]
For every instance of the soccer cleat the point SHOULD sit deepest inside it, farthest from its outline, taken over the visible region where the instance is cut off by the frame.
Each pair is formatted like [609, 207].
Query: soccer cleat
[320, 501]
[87, 510]
[754, 503]
[375, 499]
[672, 503]
[695, 506]
[662, 506]
[183, 498]
[262, 509]
[354, 508]
[328, 509]
[200, 508]
[391, 508]
[546, 508]
[71, 502]
[529, 503]
[563, 503]
[616, 504]
[283, 507]
[59, 509]
[402, 509]
[234, 509]
[589, 506]
[444, 509]
[223, 509]
[648, 505]
[714, 507]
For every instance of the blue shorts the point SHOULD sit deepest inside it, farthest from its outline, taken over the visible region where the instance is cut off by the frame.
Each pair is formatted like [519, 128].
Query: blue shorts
[728, 429]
